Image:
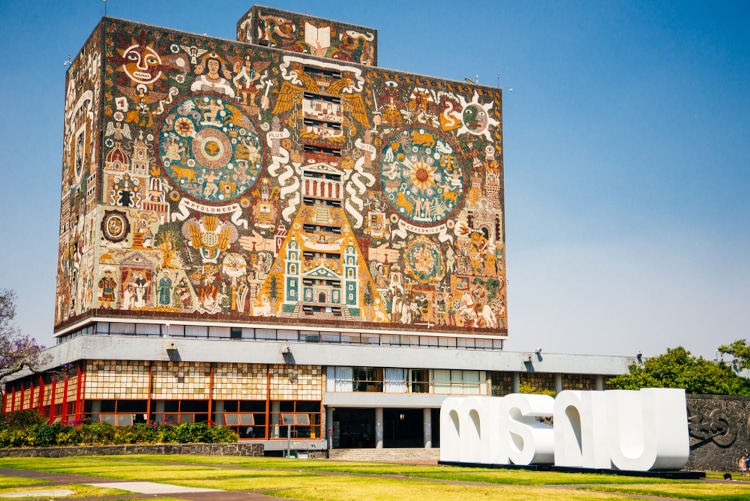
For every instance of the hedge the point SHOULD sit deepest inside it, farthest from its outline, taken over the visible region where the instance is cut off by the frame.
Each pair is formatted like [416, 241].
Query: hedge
[26, 431]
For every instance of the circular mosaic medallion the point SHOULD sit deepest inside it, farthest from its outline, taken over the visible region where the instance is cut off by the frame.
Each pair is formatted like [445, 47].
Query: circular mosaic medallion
[424, 261]
[210, 149]
[115, 226]
[421, 175]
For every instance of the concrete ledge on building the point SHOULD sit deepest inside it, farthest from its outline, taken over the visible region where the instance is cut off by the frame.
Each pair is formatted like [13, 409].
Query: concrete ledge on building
[237, 449]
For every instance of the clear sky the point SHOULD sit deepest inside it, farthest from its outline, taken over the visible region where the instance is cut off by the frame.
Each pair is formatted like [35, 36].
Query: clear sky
[627, 152]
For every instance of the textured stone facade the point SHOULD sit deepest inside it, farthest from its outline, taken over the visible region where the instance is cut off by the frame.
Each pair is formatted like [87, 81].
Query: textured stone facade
[718, 431]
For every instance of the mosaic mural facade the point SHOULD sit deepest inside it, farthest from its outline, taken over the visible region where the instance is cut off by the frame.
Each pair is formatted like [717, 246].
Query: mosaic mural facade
[308, 35]
[245, 183]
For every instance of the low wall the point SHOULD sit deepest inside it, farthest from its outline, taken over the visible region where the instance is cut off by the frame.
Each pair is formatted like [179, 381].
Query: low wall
[241, 449]
[719, 431]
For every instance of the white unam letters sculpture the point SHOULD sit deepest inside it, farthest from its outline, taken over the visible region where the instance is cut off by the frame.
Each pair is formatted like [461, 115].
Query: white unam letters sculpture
[624, 430]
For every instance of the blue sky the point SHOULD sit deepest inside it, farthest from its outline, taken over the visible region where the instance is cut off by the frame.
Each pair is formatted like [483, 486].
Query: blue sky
[627, 152]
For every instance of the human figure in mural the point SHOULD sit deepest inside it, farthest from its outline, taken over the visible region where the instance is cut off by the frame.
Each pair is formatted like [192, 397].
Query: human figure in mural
[141, 290]
[245, 80]
[391, 104]
[175, 149]
[211, 110]
[128, 297]
[165, 289]
[141, 115]
[211, 188]
[441, 310]
[182, 296]
[212, 81]
[107, 287]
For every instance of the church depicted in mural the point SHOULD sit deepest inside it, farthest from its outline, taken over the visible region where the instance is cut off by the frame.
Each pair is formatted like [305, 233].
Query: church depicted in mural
[280, 180]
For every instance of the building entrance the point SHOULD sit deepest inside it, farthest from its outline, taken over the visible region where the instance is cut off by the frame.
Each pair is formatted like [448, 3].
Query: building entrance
[353, 428]
[403, 428]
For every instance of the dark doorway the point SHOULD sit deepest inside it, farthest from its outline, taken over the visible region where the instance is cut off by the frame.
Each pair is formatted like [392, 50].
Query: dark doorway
[435, 416]
[403, 428]
[353, 428]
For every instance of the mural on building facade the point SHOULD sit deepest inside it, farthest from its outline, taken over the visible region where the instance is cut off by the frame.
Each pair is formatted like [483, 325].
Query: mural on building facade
[275, 187]
[309, 35]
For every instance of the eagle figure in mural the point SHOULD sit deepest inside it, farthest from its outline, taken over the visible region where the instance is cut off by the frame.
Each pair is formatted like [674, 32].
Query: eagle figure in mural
[210, 236]
[291, 94]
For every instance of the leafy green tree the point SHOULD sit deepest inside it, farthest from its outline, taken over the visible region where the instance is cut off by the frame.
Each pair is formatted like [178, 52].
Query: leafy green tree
[528, 389]
[739, 351]
[677, 368]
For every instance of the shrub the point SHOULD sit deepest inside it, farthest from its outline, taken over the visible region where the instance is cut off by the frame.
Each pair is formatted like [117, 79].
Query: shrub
[45, 435]
[20, 420]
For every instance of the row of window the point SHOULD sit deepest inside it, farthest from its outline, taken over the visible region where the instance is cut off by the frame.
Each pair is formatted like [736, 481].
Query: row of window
[311, 228]
[395, 380]
[303, 336]
[310, 201]
[249, 418]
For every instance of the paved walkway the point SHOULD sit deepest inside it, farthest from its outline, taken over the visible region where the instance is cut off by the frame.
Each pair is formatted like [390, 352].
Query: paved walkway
[140, 490]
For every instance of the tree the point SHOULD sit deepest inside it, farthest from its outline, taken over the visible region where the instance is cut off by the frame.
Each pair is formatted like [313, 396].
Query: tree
[17, 351]
[368, 299]
[677, 368]
[740, 353]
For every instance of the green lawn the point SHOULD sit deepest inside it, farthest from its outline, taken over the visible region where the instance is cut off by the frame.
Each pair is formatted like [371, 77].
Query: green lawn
[330, 480]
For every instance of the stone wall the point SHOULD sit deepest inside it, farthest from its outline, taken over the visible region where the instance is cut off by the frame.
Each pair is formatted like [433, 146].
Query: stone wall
[719, 427]
[238, 449]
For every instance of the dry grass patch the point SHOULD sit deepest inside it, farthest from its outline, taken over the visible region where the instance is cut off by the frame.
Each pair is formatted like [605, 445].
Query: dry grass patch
[8, 481]
[708, 491]
[79, 491]
[344, 488]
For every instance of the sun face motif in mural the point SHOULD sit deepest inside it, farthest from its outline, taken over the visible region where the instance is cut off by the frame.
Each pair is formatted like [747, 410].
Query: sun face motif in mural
[210, 149]
[421, 175]
[141, 64]
[476, 118]
[424, 261]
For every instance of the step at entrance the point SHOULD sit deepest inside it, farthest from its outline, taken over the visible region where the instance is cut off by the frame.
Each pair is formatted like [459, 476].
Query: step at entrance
[386, 455]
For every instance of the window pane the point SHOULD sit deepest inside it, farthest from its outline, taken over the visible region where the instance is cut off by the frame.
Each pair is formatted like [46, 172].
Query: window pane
[107, 418]
[308, 406]
[218, 331]
[124, 420]
[194, 406]
[131, 406]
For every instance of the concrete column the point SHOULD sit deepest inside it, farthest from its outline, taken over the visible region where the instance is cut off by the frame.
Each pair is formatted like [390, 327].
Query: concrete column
[515, 382]
[558, 382]
[379, 428]
[427, 423]
[328, 425]
[599, 383]
[275, 419]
